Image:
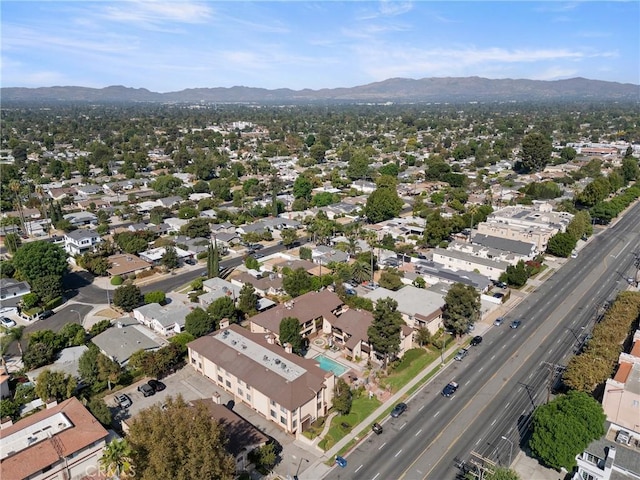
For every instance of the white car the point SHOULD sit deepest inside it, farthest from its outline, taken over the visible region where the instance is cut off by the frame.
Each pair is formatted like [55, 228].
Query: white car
[7, 322]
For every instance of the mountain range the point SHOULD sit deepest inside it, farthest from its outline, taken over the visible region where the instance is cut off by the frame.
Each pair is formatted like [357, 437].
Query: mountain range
[396, 90]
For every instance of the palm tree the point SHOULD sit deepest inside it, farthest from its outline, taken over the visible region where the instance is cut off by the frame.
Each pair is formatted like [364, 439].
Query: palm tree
[116, 459]
[361, 272]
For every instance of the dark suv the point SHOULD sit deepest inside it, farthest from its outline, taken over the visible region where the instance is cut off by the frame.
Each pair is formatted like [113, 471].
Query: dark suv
[477, 340]
[157, 385]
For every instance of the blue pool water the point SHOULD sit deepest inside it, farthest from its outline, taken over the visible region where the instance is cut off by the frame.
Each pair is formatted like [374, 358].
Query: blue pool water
[330, 365]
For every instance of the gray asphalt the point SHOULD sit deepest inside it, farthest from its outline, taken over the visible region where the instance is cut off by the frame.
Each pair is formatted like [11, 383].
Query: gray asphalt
[503, 379]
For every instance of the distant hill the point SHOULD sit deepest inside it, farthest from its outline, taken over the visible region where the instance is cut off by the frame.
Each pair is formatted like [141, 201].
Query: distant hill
[398, 90]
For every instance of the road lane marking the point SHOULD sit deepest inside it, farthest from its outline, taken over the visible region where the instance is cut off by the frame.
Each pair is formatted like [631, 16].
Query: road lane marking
[468, 381]
[494, 422]
[421, 407]
[399, 451]
[437, 413]
[493, 357]
[403, 425]
[480, 369]
[380, 447]
[377, 475]
[508, 403]
[358, 468]
[418, 433]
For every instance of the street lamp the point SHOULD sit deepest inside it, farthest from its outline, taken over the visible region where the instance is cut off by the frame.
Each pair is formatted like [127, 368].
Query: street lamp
[510, 448]
[295, 477]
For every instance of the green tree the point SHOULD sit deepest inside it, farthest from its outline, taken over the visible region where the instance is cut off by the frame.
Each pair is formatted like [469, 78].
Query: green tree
[166, 184]
[502, 473]
[462, 308]
[127, 297]
[155, 297]
[267, 455]
[437, 230]
[384, 331]
[516, 275]
[536, 151]
[595, 192]
[199, 323]
[383, 203]
[290, 333]
[564, 427]
[40, 259]
[342, 397]
[297, 282]
[47, 287]
[180, 442]
[100, 410]
[391, 279]
[289, 237]
[38, 354]
[302, 187]
[630, 170]
[423, 336]
[561, 244]
[116, 459]
[361, 271]
[13, 242]
[54, 384]
[170, 258]
[197, 228]
[248, 300]
[223, 307]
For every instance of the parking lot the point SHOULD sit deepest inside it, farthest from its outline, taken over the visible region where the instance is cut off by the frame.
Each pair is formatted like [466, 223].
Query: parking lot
[192, 386]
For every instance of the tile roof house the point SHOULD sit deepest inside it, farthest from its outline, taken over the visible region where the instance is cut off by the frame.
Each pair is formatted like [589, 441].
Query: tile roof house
[62, 441]
[166, 320]
[289, 390]
[621, 399]
[311, 309]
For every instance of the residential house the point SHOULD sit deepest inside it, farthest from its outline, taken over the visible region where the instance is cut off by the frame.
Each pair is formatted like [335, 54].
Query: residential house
[525, 250]
[621, 399]
[12, 291]
[5, 390]
[420, 308]
[256, 227]
[616, 456]
[324, 255]
[226, 239]
[433, 273]
[264, 283]
[166, 320]
[175, 224]
[462, 261]
[489, 253]
[290, 391]
[63, 441]
[58, 194]
[66, 362]
[154, 256]
[124, 339]
[125, 263]
[364, 186]
[216, 288]
[243, 437]
[86, 191]
[79, 219]
[78, 242]
[169, 202]
[311, 309]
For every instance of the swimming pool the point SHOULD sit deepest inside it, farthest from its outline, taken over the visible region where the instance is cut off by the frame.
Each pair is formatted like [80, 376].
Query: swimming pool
[330, 365]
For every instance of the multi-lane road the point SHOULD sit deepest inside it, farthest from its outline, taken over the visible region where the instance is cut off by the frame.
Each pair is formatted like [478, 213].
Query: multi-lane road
[504, 378]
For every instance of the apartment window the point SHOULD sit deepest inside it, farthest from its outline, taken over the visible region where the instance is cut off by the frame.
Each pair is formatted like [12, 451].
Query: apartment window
[294, 413]
[228, 383]
[240, 392]
[283, 410]
[294, 424]
[248, 398]
[221, 370]
[588, 476]
[274, 414]
[273, 403]
[241, 383]
[283, 420]
[220, 378]
[193, 360]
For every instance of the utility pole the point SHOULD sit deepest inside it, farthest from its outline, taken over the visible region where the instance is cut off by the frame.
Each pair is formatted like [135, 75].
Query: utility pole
[483, 465]
[554, 369]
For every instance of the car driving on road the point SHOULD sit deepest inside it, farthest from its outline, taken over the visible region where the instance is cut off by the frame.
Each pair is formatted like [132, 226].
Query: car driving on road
[498, 321]
[450, 389]
[461, 354]
[516, 323]
[477, 340]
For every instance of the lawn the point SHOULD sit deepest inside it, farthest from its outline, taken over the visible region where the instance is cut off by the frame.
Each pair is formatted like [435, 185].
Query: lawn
[361, 408]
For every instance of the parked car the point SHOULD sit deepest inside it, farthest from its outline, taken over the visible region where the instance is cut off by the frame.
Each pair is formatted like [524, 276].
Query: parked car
[157, 385]
[377, 428]
[477, 340]
[7, 322]
[190, 261]
[461, 354]
[123, 400]
[398, 410]
[146, 389]
[450, 389]
[498, 321]
[516, 323]
[341, 461]
[45, 314]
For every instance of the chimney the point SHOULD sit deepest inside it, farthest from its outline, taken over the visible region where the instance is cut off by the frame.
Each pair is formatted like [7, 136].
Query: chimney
[288, 348]
[270, 339]
[224, 323]
[52, 402]
[5, 422]
[217, 399]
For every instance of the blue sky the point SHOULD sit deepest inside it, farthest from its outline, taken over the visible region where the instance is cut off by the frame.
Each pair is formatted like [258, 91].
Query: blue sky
[169, 46]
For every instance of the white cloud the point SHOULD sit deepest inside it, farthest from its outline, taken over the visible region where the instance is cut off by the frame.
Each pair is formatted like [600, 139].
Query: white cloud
[153, 14]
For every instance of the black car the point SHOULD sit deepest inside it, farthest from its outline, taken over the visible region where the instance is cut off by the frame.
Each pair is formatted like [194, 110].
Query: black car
[515, 323]
[146, 389]
[450, 389]
[377, 428]
[398, 410]
[45, 314]
[477, 340]
[157, 385]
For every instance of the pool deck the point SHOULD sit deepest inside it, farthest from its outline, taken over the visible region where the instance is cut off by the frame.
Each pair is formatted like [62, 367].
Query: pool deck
[315, 350]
